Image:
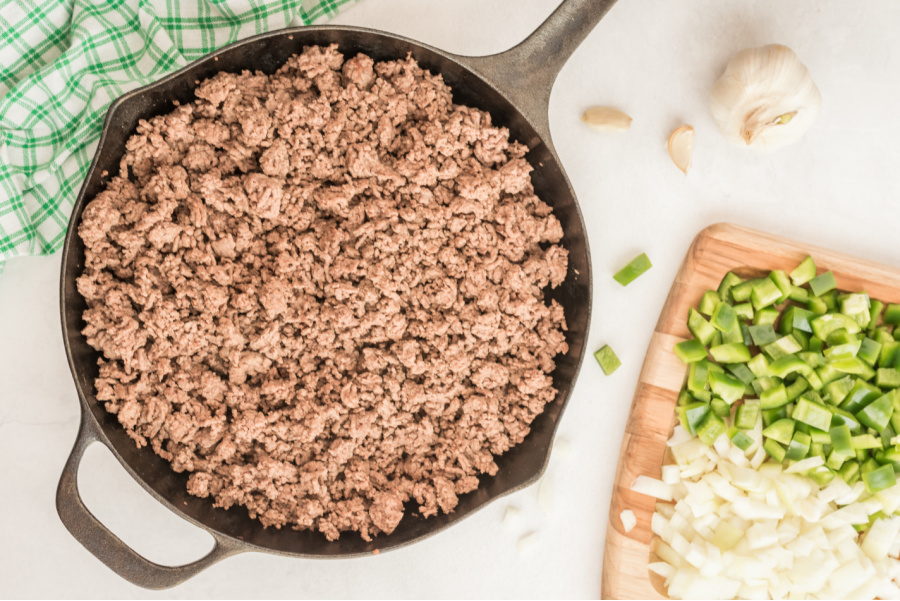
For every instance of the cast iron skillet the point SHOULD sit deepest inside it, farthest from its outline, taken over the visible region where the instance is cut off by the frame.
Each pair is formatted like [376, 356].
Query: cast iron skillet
[514, 87]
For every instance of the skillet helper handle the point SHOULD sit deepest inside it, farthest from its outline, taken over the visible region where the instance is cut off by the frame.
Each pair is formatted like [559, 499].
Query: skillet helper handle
[105, 545]
[526, 72]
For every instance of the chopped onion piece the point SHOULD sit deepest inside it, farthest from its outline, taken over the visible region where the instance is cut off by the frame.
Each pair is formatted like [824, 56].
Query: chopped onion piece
[804, 465]
[629, 521]
[652, 488]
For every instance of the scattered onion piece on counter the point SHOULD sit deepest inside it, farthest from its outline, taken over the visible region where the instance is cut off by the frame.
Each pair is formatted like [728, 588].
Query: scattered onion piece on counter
[511, 516]
[629, 521]
[527, 543]
[736, 530]
[545, 495]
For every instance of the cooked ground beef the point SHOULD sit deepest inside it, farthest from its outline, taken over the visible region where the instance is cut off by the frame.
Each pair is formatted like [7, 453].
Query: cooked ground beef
[320, 292]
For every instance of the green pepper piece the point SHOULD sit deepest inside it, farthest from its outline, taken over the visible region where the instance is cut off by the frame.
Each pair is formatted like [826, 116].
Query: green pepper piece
[842, 441]
[710, 429]
[764, 383]
[728, 282]
[879, 479]
[735, 334]
[775, 397]
[865, 442]
[698, 375]
[817, 306]
[607, 359]
[795, 389]
[822, 283]
[786, 323]
[741, 440]
[721, 408]
[691, 415]
[724, 318]
[812, 413]
[804, 272]
[814, 360]
[699, 327]
[860, 395]
[734, 352]
[685, 398]
[800, 320]
[883, 334]
[887, 377]
[845, 418]
[767, 316]
[765, 293]
[633, 270]
[823, 325]
[783, 282]
[869, 350]
[703, 395]
[856, 307]
[849, 349]
[762, 335]
[889, 456]
[709, 302]
[741, 372]
[759, 365]
[689, 351]
[850, 473]
[786, 345]
[888, 354]
[853, 365]
[892, 314]
[782, 431]
[875, 314]
[770, 416]
[877, 414]
[782, 367]
[746, 415]
[836, 391]
[726, 387]
[744, 311]
[741, 292]
[799, 447]
[841, 336]
[867, 464]
[816, 345]
[775, 450]
[835, 460]
[821, 475]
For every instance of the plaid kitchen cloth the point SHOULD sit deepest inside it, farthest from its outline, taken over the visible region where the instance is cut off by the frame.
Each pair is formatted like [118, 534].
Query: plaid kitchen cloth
[63, 62]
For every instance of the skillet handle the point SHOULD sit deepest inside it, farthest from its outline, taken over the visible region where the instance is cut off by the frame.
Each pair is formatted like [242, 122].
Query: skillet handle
[526, 72]
[105, 545]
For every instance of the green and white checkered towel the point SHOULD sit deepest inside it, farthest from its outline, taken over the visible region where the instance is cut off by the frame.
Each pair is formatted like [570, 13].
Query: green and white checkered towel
[63, 62]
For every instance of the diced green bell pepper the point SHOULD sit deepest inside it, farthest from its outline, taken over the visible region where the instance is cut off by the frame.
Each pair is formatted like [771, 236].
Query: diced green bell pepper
[822, 283]
[804, 272]
[816, 344]
[836, 391]
[850, 473]
[728, 282]
[788, 364]
[774, 397]
[709, 301]
[865, 442]
[698, 375]
[770, 416]
[786, 345]
[888, 354]
[764, 294]
[813, 414]
[759, 365]
[633, 270]
[690, 351]
[741, 372]
[879, 479]
[892, 314]
[728, 388]
[845, 418]
[724, 318]
[877, 414]
[875, 314]
[869, 350]
[746, 415]
[823, 325]
[853, 365]
[607, 359]
[799, 447]
[699, 327]
[763, 334]
[848, 349]
[861, 395]
[721, 408]
[782, 431]
[744, 311]
[691, 415]
[783, 282]
[821, 475]
[733, 352]
[775, 450]
[887, 377]
[796, 388]
[741, 440]
[710, 428]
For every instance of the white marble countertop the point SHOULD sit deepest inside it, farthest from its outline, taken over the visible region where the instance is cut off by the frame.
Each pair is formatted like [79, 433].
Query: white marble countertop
[656, 59]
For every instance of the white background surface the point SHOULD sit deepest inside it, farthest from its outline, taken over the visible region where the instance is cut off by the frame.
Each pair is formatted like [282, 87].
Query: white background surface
[656, 59]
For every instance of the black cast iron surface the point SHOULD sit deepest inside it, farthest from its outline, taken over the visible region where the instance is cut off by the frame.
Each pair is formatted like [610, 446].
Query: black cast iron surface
[515, 88]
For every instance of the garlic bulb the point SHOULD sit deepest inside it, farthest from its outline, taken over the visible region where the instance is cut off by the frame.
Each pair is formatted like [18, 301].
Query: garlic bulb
[766, 98]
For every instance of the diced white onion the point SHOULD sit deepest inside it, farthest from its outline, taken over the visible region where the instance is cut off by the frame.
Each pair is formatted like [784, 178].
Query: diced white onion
[629, 521]
[652, 488]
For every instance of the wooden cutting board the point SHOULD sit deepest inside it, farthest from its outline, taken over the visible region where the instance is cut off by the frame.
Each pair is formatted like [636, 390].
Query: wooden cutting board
[715, 251]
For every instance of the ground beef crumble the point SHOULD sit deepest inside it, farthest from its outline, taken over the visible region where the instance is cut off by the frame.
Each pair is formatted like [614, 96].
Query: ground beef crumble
[320, 293]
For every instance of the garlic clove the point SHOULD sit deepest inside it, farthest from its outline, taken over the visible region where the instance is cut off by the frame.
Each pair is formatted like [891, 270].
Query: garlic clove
[603, 119]
[765, 99]
[681, 147]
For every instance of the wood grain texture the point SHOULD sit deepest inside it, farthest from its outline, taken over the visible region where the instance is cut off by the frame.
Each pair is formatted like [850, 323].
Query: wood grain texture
[715, 251]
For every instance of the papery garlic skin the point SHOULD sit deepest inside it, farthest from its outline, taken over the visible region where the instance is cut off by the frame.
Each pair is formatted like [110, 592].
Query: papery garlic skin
[766, 98]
